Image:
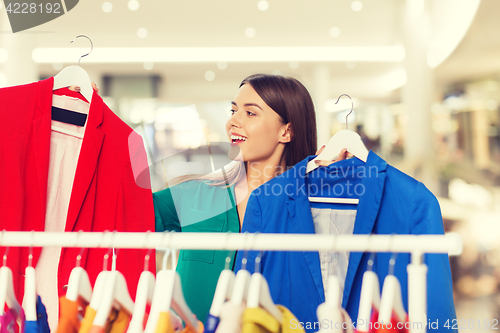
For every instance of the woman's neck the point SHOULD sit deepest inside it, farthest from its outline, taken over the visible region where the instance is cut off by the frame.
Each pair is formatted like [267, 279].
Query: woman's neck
[257, 173]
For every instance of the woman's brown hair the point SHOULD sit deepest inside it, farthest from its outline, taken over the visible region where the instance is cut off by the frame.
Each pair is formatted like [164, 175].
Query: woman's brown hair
[292, 102]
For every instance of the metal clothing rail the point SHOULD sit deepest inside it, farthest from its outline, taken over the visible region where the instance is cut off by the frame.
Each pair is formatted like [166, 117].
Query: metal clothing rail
[417, 245]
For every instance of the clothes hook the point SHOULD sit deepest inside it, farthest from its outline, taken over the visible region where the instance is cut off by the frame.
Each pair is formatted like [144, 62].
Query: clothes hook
[245, 254]
[79, 256]
[91, 47]
[148, 254]
[30, 255]
[371, 261]
[6, 250]
[352, 107]
[229, 252]
[257, 262]
[392, 261]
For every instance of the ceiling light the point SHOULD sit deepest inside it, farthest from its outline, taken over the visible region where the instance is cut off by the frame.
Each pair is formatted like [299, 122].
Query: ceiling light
[133, 5]
[263, 5]
[356, 6]
[209, 75]
[142, 32]
[250, 32]
[216, 54]
[222, 65]
[334, 32]
[148, 65]
[107, 7]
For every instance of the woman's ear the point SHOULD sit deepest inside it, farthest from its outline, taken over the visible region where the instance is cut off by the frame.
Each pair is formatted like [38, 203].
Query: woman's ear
[287, 134]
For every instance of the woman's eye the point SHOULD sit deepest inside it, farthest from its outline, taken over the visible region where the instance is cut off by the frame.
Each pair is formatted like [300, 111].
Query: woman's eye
[250, 113]
[233, 112]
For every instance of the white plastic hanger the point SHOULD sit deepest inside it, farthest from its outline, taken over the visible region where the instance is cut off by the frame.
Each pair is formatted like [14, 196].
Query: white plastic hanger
[143, 296]
[330, 312]
[241, 284]
[168, 294]
[259, 295]
[115, 292]
[391, 300]
[223, 290]
[76, 76]
[79, 283]
[347, 139]
[7, 289]
[370, 297]
[29, 299]
[100, 283]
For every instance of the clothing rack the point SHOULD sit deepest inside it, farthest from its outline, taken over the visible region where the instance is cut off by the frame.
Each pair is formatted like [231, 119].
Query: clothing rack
[416, 245]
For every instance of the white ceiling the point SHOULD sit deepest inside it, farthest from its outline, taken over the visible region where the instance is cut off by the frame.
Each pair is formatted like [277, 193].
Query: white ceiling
[209, 23]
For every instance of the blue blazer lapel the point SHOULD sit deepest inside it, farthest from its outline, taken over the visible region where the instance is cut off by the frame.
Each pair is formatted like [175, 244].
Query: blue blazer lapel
[299, 213]
[367, 211]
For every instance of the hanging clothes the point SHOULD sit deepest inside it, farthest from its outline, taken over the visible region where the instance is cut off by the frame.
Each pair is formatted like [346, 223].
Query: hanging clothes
[395, 326]
[257, 320]
[9, 323]
[230, 318]
[165, 325]
[211, 209]
[41, 325]
[211, 323]
[329, 221]
[63, 160]
[390, 202]
[111, 188]
[70, 315]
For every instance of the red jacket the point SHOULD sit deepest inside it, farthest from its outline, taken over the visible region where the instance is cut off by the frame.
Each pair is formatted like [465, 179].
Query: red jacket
[111, 190]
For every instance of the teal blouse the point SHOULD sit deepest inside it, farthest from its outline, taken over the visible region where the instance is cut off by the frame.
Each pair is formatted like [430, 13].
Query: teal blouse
[196, 206]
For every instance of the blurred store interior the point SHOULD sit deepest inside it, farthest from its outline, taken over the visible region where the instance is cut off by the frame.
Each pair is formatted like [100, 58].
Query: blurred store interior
[424, 76]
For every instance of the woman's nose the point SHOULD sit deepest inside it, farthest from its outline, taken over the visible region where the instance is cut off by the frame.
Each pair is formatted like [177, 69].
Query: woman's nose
[235, 119]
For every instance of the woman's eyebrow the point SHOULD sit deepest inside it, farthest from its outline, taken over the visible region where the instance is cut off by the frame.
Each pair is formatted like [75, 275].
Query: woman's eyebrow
[248, 104]
[253, 104]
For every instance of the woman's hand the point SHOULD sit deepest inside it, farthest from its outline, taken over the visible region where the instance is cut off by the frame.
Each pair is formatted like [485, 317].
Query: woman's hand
[94, 86]
[342, 156]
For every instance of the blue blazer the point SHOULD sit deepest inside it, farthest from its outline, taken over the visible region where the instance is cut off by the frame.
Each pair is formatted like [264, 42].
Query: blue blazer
[390, 202]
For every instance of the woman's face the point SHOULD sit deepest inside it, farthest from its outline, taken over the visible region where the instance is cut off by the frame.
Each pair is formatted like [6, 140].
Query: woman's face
[255, 129]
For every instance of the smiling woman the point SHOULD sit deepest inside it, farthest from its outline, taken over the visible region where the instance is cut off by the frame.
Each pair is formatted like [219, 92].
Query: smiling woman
[271, 128]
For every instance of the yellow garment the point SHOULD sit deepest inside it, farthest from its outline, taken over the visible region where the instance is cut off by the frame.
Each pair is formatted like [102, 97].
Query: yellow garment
[120, 324]
[117, 321]
[70, 314]
[257, 320]
[165, 326]
[87, 320]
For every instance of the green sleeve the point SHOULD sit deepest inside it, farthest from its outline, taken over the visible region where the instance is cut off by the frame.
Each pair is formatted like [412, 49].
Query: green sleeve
[166, 218]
